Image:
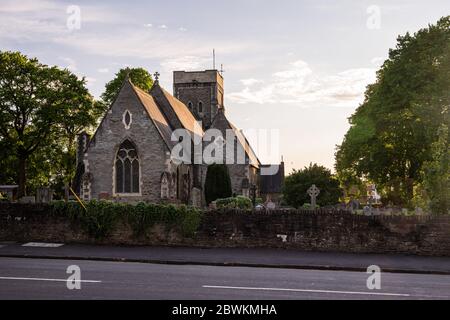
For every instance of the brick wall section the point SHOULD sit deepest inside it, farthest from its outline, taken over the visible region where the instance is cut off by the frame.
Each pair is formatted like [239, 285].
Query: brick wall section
[337, 231]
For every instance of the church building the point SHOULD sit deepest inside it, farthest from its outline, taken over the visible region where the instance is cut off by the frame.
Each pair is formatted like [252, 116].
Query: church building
[130, 156]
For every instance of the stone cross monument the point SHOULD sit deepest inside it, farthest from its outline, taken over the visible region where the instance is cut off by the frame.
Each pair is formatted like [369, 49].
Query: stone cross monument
[313, 192]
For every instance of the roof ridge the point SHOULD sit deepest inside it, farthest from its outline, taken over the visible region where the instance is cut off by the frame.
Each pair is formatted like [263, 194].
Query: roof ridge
[137, 90]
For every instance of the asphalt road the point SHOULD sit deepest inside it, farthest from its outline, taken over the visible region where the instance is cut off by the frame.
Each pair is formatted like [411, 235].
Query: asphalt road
[22, 278]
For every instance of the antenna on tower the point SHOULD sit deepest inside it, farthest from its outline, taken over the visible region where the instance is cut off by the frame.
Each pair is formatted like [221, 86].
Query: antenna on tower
[221, 69]
[214, 59]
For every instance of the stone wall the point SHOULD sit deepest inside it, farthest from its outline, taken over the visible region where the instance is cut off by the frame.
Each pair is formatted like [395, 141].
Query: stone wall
[337, 231]
[100, 156]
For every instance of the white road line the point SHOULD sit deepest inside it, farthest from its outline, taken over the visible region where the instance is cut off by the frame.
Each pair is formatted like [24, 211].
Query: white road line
[47, 279]
[42, 245]
[311, 291]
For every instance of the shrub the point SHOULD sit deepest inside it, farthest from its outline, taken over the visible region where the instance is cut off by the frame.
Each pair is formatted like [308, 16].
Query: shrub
[239, 202]
[101, 217]
[217, 183]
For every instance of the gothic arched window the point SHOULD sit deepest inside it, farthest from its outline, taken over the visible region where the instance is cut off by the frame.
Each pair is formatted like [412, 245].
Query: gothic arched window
[165, 185]
[190, 105]
[200, 107]
[127, 169]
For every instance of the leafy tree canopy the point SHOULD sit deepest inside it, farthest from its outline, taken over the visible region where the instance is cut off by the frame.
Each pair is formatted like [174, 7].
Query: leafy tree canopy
[139, 76]
[392, 132]
[297, 184]
[40, 106]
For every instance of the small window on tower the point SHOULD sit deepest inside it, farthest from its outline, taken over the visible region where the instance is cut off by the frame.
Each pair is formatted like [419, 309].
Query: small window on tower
[190, 105]
[200, 107]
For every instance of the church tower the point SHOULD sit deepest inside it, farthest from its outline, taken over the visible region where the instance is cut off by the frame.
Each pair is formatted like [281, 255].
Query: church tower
[201, 91]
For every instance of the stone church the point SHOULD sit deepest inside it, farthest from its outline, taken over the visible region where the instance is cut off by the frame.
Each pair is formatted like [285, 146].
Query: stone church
[129, 157]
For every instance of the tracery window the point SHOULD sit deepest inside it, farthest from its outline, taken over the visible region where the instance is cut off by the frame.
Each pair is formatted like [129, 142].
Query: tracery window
[127, 169]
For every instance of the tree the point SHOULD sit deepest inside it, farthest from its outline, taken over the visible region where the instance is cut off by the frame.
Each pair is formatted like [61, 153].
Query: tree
[36, 103]
[297, 184]
[437, 174]
[139, 76]
[217, 183]
[392, 132]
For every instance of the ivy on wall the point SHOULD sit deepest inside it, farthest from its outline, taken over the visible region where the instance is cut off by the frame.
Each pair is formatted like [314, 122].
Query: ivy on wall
[101, 217]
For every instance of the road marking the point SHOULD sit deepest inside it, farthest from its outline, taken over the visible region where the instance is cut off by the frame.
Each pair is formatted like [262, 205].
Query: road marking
[310, 290]
[42, 245]
[47, 279]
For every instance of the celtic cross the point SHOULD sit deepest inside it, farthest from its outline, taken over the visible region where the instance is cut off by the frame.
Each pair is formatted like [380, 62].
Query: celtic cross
[313, 192]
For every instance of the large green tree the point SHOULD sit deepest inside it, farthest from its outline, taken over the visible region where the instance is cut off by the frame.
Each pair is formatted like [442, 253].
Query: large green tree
[297, 184]
[40, 106]
[392, 132]
[139, 76]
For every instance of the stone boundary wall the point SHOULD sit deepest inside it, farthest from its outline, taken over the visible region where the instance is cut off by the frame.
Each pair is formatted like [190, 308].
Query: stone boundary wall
[323, 230]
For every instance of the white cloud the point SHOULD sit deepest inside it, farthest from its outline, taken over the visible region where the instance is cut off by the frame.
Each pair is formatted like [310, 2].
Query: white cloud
[298, 84]
[188, 63]
[148, 25]
[377, 61]
[163, 26]
[71, 65]
[250, 82]
[182, 29]
[103, 70]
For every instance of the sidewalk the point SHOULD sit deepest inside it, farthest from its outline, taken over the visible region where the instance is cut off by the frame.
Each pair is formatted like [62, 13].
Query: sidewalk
[247, 257]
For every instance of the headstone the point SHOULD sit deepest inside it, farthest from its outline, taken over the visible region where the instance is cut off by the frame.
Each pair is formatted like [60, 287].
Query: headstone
[270, 205]
[313, 192]
[196, 196]
[44, 195]
[27, 199]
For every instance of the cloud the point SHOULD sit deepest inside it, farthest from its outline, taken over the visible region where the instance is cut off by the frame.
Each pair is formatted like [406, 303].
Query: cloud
[182, 29]
[103, 70]
[187, 63]
[250, 82]
[148, 25]
[377, 61]
[298, 84]
[71, 65]
[163, 26]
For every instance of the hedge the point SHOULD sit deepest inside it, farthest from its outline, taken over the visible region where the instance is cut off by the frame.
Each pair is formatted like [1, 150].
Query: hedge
[101, 217]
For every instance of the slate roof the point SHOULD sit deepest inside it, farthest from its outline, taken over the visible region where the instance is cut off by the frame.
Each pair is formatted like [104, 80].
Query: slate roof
[156, 115]
[221, 122]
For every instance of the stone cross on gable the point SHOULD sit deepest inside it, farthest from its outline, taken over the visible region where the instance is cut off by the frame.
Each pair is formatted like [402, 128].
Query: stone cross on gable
[156, 74]
[313, 192]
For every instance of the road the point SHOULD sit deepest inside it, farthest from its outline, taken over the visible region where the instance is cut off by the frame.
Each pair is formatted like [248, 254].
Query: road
[24, 278]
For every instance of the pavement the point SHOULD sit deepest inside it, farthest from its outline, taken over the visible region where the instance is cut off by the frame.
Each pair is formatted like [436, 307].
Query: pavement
[237, 257]
[32, 278]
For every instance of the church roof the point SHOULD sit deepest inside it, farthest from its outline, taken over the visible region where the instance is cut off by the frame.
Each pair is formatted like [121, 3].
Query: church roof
[155, 114]
[175, 111]
[221, 122]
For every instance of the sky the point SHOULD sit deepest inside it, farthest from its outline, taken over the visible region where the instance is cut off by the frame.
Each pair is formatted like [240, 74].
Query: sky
[293, 69]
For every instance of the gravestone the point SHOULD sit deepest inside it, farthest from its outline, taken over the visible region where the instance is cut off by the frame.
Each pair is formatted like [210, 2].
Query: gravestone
[27, 199]
[270, 205]
[44, 195]
[313, 192]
